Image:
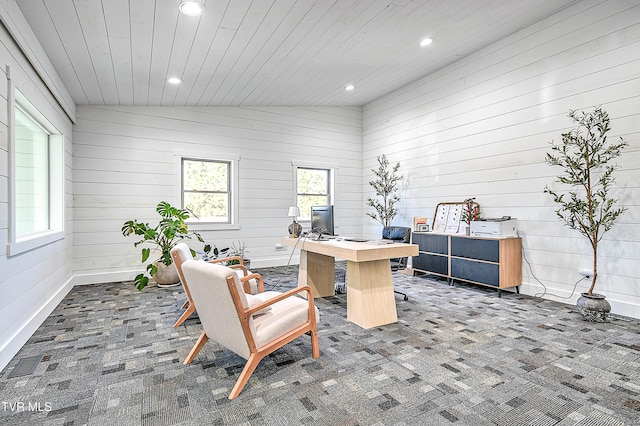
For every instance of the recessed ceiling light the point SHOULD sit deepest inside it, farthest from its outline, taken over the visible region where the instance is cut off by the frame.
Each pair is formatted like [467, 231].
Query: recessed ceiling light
[174, 80]
[426, 42]
[349, 87]
[191, 8]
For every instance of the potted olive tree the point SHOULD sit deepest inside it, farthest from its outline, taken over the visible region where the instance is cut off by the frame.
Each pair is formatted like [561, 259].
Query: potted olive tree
[385, 185]
[171, 230]
[586, 205]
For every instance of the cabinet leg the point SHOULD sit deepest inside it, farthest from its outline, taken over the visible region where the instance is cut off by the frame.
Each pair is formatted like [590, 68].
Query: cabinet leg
[517, 289]
[499, 293]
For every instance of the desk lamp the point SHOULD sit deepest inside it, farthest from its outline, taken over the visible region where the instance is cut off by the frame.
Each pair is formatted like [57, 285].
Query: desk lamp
[295, 229]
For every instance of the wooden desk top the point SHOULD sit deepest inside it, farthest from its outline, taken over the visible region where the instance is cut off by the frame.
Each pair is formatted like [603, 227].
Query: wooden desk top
[353, 251]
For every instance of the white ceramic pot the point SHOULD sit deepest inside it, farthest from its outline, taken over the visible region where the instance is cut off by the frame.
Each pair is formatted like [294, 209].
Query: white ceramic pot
[166, 275]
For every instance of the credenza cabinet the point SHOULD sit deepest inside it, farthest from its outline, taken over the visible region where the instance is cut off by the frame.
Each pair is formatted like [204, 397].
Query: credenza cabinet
[494, 262]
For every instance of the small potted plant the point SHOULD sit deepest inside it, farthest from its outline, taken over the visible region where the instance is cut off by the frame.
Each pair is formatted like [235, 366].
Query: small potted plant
[470, 212]
[171, 230]
[587, 206]
[239, 250]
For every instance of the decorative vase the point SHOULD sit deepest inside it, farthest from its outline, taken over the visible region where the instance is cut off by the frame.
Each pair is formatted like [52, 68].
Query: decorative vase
[167, 276]
[593, 307]
[295, 229]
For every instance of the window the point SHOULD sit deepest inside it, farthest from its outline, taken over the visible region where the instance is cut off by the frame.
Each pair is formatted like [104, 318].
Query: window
[207, 190]
[37, 189]
[313, 188]
[31, 175]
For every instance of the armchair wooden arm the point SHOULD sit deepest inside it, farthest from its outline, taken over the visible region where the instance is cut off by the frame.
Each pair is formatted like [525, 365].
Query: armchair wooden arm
[245, 282]
[226, 259]
[252, 310]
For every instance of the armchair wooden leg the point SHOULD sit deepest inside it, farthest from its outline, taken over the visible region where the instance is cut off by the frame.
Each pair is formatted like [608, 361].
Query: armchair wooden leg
[247, 371]
[186, 314]
[196, 348]
[315, 347]
[185, 304]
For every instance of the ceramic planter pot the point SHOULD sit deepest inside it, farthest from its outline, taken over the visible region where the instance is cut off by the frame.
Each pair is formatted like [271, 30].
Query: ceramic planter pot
[593, 307]
[166, 275]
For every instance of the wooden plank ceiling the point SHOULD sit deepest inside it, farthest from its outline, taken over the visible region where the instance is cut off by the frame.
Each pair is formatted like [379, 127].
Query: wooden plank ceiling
[263, 52]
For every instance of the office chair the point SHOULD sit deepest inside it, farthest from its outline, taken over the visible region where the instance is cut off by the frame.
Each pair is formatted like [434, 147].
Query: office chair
[398, 234]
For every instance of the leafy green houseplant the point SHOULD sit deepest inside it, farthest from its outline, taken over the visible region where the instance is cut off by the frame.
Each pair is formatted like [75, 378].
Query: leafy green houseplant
[385, 186]
[585, 157]
[170, 230]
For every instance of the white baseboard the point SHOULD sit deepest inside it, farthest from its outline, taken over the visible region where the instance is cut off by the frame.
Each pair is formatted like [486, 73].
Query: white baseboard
[10, 347]
[104, 277]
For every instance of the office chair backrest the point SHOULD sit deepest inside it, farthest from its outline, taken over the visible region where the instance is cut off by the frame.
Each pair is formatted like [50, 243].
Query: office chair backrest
[399, 234]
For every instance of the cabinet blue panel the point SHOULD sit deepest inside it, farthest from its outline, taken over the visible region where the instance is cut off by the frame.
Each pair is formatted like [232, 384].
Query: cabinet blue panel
[485, 273]
[431, 263]
[488, 250]
[431, 243]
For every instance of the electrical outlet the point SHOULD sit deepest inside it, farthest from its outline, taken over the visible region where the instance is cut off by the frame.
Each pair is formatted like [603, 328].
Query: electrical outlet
[587, 273]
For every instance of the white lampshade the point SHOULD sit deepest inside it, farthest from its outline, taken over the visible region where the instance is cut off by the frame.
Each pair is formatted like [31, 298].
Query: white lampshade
[294, 211]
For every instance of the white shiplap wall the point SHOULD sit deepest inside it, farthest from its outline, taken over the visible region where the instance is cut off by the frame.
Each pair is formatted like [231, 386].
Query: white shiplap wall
[481, 127]
[31, 283]
[126, 160]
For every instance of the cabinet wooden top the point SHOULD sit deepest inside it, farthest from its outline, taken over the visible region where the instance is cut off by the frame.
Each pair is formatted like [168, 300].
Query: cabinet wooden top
[466, 236]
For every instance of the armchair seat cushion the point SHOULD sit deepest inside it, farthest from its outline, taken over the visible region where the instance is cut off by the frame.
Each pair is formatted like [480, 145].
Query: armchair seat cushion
[284, 316]
[266, 295]
[255, 299]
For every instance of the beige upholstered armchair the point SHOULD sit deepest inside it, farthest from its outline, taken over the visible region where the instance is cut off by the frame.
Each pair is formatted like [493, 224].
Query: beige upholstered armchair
[181, 252]
[252, 326]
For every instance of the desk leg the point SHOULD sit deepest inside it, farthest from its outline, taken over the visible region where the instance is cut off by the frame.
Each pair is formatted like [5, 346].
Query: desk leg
[318, 272]
[370, 298]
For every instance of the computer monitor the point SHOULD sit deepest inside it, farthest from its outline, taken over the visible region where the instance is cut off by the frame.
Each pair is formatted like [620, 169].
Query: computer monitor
[322, 220]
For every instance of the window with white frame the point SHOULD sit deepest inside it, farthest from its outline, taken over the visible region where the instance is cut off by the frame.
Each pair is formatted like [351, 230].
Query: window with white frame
[313, 188]
[208, 190]
[37, 181]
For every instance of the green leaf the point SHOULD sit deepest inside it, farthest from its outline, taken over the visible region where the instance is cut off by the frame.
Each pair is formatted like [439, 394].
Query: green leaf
[145, 254]
[140, 281]
[152, 269]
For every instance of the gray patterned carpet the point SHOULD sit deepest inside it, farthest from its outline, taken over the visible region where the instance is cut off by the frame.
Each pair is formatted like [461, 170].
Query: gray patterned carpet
[109, 355]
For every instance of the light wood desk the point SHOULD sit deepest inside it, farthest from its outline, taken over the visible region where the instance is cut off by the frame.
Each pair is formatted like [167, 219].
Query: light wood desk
[370, 298]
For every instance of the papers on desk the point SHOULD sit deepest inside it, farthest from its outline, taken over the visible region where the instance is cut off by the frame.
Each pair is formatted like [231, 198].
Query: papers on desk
[379, 242]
